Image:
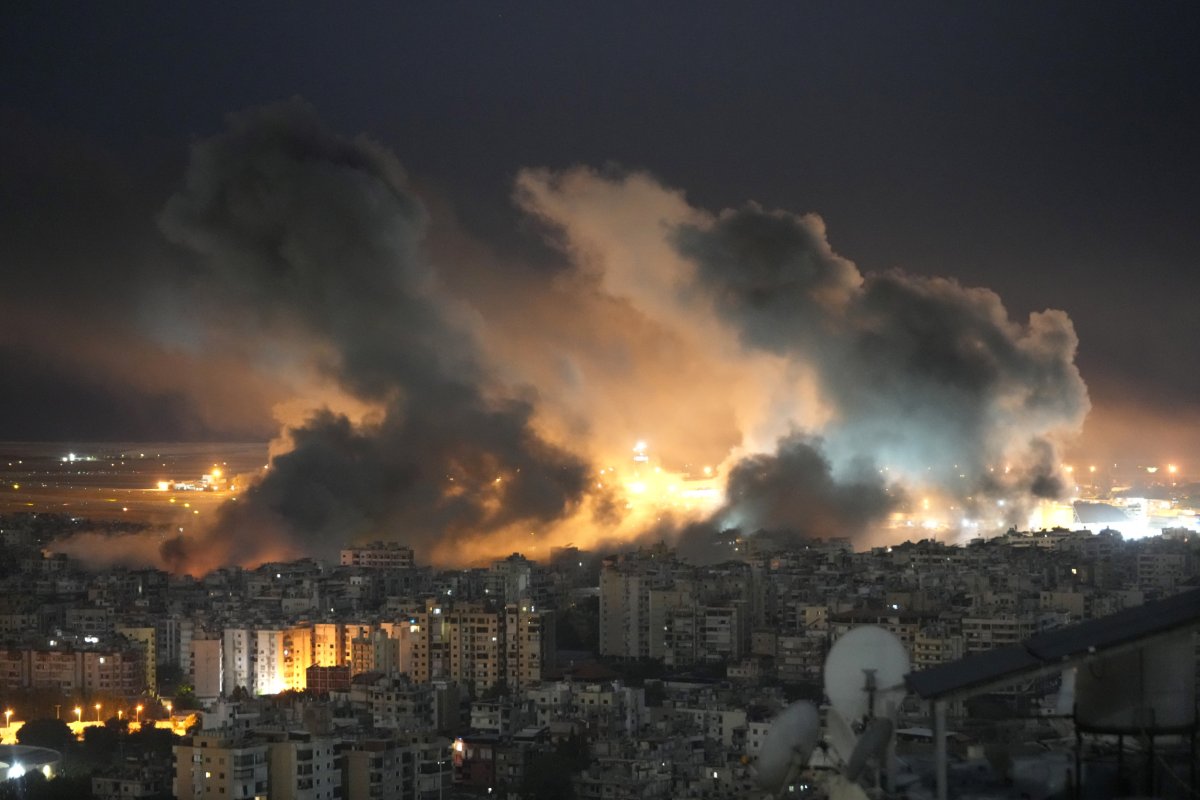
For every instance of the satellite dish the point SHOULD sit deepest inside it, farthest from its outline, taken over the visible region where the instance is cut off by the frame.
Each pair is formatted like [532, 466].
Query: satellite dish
[839, 787]
[840, 735]
[864, 674]
[789, 743]
[871, 744]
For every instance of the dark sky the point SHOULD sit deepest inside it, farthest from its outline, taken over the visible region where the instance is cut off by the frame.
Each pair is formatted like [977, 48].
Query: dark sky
[1048, 151]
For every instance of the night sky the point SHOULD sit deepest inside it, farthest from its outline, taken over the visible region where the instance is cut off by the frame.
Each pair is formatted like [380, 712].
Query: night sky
[1047, 151]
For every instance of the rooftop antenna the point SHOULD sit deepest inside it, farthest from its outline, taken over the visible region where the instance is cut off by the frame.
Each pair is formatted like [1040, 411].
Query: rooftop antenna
[864, 680]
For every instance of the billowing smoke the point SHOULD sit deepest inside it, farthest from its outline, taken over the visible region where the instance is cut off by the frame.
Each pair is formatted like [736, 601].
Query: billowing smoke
[302, 235]
[925, 383]
[793, 490]
[472, 405]
[928, 378]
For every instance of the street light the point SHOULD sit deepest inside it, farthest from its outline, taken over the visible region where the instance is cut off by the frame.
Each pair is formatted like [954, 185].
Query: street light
[97, 712]
[8, 718]
[78, 714]
[169, 707]
[138, 712]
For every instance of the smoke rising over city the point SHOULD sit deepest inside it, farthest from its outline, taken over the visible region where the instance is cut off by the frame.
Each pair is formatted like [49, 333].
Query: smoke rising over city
[309, 237]
[678, 370]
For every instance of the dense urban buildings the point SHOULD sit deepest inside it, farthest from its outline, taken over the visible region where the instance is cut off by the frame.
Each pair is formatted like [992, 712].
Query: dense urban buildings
[385, 678]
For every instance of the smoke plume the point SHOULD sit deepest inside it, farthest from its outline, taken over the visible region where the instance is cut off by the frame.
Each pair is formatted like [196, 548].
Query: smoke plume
[680, 370]
[928, 384]
[302, 234]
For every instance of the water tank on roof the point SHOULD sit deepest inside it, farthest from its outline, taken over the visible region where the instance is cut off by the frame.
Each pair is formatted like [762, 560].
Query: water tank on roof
[1149, 689]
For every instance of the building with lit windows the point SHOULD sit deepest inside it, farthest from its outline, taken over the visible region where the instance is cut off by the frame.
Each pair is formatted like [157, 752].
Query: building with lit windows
[378, 555]
[213, 765]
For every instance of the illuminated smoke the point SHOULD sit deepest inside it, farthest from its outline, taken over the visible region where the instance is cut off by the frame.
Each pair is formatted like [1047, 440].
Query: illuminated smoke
[302, 234]
[925, 382]
[778, 386]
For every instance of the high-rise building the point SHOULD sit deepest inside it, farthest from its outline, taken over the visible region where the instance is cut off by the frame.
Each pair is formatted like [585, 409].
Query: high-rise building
[206, 666]
[625, 603]
[474, 646]
[270, 674]
[529, 644]
[297, 655]
[145, 639]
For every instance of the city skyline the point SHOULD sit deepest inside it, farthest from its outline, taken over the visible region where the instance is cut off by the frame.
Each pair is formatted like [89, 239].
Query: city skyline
[818, 264]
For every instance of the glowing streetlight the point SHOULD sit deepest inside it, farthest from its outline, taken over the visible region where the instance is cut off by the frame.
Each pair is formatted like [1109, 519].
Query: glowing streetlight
[97, 712]
[138, 714]
[78, 714]
[1171, 468]
[169, 707]
[8, 718]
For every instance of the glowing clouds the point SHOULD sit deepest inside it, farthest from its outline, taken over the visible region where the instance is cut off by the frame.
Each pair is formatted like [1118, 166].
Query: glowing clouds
[922, 375]
[777, 385]
[306, 235]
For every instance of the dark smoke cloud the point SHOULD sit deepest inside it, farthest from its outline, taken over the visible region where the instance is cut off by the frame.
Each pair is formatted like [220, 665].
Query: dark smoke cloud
[793, 490]
[927, 377]
[791, 496]
[302, 233]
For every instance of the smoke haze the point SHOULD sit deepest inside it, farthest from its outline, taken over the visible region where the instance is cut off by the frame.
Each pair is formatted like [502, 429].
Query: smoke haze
[472, 407]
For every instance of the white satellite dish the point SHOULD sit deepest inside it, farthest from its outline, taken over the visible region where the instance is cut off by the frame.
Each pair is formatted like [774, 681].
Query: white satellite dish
[789, 743]
[864, 674]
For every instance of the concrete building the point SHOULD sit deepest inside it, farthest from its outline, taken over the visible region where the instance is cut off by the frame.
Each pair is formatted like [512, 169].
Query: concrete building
[982, 633]
[324, 680]
[378, 555]
[270, 661]
[379, 768]
[107, 670]
[516, 578]
[303, 766]
[206, 666]
[529, 644]
[473, 646]
[297, 655]
[214, 765]
[145, 638]
[132, 781]
[237, 660]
